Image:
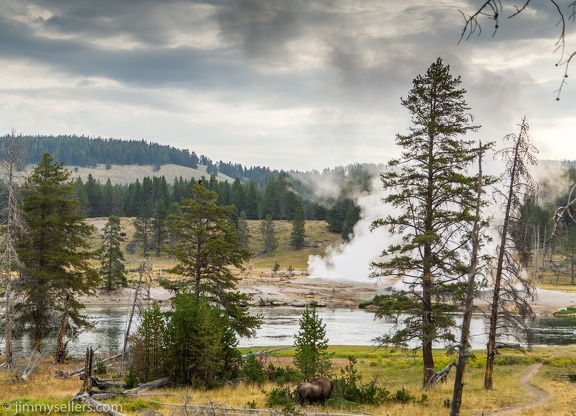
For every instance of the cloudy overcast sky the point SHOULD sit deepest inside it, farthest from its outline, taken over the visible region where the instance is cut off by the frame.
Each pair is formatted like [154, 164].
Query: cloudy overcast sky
[289, 84]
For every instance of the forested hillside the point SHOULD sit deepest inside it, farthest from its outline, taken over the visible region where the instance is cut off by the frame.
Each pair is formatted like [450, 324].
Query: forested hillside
[89, 151]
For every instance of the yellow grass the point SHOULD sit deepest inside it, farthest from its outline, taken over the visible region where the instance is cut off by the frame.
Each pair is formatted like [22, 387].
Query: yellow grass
[318, 238]
[392, 370]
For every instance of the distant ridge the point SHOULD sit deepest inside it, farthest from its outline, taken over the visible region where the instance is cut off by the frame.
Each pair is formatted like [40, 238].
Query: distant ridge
[83, 151]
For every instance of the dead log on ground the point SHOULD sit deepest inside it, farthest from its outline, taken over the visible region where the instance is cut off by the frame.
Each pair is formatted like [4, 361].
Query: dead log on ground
[147, 386]
[102, 384]
[96, 406]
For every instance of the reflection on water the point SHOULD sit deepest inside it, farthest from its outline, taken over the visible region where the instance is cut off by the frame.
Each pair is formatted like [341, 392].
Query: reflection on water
[343, 327]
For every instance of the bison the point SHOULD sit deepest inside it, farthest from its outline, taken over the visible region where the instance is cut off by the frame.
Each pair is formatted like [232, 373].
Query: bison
[315, 391]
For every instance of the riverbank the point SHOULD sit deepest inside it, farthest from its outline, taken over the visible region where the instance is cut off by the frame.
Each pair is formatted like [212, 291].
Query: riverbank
[299, 290]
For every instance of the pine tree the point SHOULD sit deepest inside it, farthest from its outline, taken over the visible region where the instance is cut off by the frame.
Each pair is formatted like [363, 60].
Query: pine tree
[243, 231]
[159, 225]
[150, 345]
[435, 199]
[143, 227]
[298, 235]
[268, 234]
[55, 253]
[111, 257]
[311, 357]
[201, 342]
[206, 248]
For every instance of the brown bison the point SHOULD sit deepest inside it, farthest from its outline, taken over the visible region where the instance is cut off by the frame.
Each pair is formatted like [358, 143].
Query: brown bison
[315, 391]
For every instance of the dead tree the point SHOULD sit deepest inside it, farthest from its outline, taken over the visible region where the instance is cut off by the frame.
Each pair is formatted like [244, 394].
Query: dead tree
[88, 365]
[145, 271]
[14, 225]
[34, 360]
[492, 10]
[512, 293]
[439, 376]
[468, 305]
[60, 344]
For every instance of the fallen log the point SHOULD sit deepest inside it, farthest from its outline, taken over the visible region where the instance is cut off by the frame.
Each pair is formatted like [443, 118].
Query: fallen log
[96, 406]
[147, 386]
[106, 384]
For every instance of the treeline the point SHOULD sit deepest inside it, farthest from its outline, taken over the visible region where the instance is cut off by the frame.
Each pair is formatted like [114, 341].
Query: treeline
[86, 151]
[278, 199]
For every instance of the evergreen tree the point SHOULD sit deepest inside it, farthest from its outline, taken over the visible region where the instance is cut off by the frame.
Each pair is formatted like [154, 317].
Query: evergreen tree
[311, 357]
[143, 227]
[298, 235]
[252, 201]
[54, 253]
[352, 217]
[159, 224]
[201, 342]
[435, 201]
[243, 231]
[206, 247]
[111, 257]
[150, 345]
[268, 234]
[94, 195]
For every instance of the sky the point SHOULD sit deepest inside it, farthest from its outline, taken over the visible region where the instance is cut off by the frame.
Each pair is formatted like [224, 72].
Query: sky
[287, 84]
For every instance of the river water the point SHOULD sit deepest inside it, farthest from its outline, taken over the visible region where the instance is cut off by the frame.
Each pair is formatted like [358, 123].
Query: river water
[343, 327]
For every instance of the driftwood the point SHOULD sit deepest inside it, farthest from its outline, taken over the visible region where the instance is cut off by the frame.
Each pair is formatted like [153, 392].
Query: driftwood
[97, 406]
[439, 376]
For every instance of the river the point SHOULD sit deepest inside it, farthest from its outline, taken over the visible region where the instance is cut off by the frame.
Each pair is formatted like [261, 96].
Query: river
[343, 327]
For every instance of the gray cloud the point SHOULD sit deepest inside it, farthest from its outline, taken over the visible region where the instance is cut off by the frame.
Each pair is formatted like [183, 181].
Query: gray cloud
[285, 78]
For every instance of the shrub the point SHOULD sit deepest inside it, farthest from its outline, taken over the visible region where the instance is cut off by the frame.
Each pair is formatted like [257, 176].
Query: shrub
[251, 370]
[280, 397]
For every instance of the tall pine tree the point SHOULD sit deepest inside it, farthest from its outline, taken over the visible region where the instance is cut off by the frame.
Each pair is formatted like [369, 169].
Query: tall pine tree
[434, 199]
[111, 257]
[54, 253]
[206, 247]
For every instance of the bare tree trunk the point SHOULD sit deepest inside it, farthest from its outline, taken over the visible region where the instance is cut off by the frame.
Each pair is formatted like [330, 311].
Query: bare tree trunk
[61, 346]
[468, 306]
[491, 350]
[14, 223]
[519, 181]
[131, 316]
[87, 380]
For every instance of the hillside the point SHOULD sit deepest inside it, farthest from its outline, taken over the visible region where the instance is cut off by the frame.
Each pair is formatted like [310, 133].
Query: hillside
[126, 174]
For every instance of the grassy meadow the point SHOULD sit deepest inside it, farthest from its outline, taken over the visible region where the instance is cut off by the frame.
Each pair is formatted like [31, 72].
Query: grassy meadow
[396, 371]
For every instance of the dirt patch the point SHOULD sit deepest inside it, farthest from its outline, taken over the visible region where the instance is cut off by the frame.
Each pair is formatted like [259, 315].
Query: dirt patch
[540, 396]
